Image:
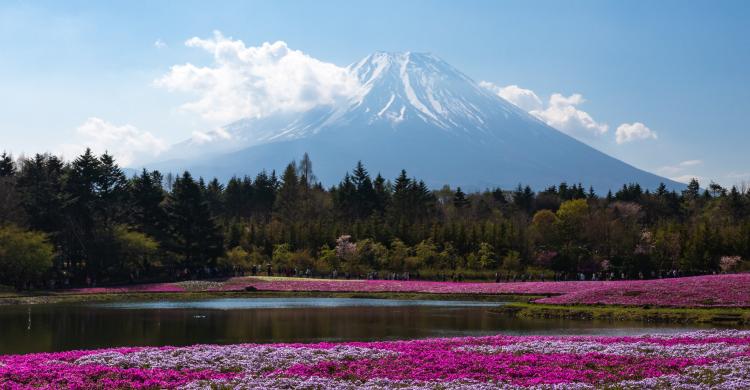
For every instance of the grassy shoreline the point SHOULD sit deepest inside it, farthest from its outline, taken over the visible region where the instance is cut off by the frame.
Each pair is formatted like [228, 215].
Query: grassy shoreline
[55, 298]
[676, 315]
[518, 304]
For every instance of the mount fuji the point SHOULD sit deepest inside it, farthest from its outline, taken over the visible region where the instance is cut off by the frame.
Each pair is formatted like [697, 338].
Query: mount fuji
[413, 111]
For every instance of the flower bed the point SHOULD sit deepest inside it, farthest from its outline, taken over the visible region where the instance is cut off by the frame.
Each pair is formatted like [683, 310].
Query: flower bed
[398, 286]
[698, 291]
[138, 288]
[719, 359]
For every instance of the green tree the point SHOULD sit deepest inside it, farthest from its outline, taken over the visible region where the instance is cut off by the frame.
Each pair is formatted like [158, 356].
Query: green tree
[459, 199]
[7, 165]
[24, 256]
[194, 235]
[486, 256]
[147, 212]
[136, 252]
[288, 198]
[427, 253]
[371, 254]
[512, 261]
[236, 259]
[572, 218]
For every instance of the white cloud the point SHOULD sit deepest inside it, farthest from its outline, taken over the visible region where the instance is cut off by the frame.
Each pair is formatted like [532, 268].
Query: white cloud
[525, 99]
[690, 163]
[628, 132]
[219, 133]
[127, 143]
[560, 112]
[677, 172]
[563, 114]
[679, 167]
[687, 178]
[160, 44]
[256, 81]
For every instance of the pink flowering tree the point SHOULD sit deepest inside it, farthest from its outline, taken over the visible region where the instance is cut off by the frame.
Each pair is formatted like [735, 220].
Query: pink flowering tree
[729, 263]
[346, 252]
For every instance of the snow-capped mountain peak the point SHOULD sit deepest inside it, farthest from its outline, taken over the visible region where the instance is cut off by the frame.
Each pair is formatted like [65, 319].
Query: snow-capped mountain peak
[420, 86]
[410, 111]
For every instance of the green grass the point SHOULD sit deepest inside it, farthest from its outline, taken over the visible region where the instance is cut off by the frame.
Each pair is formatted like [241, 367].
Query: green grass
[718, 316]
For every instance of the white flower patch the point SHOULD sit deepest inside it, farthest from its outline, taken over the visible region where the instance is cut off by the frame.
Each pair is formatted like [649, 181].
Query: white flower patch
[715, 350]
[704, 334]
[731, 375]
[231, 358]
[318, 383]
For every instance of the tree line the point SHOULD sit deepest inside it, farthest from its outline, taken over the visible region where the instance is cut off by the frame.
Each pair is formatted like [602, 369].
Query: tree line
[84, 222]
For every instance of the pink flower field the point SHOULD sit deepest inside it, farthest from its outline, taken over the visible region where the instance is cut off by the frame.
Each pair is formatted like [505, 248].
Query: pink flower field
[699, 291]
[705, 359]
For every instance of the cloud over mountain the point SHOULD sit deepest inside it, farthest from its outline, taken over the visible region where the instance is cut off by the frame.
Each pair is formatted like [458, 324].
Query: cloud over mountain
[561, 112]
[405, 110]
[126, 142]
[253, 82]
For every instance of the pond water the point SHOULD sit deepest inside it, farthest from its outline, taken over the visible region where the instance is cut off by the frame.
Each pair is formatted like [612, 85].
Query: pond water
[61, 327]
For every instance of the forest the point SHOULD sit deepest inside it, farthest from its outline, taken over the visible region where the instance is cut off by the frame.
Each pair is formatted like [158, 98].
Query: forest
[86, 222]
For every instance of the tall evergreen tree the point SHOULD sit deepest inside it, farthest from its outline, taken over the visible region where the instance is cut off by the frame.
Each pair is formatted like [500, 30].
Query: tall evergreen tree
[7, 165]
[382, 194]
[193, 233]
[264, 194]
[112, 191]
[288, 198]
[148, 213]
[365, 193]
[459, 199]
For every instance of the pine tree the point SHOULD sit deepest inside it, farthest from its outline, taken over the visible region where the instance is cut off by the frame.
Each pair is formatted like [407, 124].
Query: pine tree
[459, 199]
[288, 202]
[82, 212]
[264, 194]
[365, 196]
[40, 186]
[214, 194]
[193, 233]
[401, 195]
[147, 214]
[112, 191]
[7, 166]
[692, 191]
[305, 171]
[591, 195]
[382, 194]
[10, 199]
[344, 198]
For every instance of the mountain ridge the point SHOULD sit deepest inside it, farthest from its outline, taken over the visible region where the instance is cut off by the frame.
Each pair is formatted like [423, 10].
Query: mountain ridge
[416, 112]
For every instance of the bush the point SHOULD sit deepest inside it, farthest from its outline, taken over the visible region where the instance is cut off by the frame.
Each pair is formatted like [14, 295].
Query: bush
[236, 259]
[24, 256]
[136, 250]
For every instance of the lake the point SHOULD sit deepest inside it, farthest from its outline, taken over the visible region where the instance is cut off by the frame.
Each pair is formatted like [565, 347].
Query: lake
[61, 327]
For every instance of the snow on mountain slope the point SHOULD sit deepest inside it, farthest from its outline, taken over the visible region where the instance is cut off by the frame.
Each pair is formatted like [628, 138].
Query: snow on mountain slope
[412, 111]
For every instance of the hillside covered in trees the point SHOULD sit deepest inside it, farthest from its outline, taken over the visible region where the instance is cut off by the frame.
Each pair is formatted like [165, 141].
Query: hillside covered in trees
[85, 222]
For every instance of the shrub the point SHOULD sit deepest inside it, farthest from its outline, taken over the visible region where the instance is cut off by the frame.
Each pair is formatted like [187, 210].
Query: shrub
[24, 256]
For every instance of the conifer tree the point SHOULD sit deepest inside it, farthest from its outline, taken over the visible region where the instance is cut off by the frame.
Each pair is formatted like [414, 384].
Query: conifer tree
[459, 199]
[287, 204]
[193, 233]
[147, 212]
[7, 166]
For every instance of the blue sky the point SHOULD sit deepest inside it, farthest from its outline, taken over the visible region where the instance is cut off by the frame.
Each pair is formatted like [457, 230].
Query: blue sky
[679, 68]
